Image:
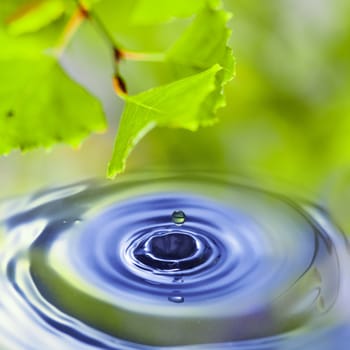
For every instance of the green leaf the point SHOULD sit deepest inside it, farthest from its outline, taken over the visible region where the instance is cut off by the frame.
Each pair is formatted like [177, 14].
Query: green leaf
[29, 45]
[40, 105]
[203, 44]
[195, 57]
[148, 12]
[33, 16]
[177, 104]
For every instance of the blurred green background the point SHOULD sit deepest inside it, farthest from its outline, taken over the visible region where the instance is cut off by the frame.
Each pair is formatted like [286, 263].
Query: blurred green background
[286, 123]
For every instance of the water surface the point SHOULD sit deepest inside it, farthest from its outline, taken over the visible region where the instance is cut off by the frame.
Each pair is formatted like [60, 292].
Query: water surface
[170, 262]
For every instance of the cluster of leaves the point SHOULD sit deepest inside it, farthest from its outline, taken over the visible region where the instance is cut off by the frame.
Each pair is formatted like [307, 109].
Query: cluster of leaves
[38, 100]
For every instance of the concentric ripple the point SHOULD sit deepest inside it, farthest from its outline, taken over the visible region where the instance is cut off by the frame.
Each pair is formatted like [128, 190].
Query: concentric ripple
[170, 261]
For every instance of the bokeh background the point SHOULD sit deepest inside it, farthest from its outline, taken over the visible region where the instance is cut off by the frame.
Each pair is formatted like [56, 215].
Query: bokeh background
[287, 120]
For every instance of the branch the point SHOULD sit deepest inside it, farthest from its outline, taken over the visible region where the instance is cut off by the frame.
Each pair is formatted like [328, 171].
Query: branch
[119, 54]
[71, 28]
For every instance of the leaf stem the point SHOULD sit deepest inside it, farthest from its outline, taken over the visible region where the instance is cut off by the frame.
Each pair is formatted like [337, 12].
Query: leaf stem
[22, 11]
[118, 82]
[102, 28]
[119, 86]
[119, 54]
[71, 28]
[143, 56]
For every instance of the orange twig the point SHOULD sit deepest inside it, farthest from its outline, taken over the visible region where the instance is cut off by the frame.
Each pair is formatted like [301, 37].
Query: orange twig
[119, 86]
[23, 11]
[71, 27]
[140, 56]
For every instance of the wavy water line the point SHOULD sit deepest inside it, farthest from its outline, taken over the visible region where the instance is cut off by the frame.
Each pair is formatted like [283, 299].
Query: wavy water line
[101, 266]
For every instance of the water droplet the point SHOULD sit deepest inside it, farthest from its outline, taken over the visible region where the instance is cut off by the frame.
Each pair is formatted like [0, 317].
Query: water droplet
[178, 217]
[176, 298]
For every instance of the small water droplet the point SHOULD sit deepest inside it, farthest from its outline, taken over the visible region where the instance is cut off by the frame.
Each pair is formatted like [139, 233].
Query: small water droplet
[178, 217]
[176, 298]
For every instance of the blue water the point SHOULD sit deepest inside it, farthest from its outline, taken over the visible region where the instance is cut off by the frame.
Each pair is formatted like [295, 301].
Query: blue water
[170, 262]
